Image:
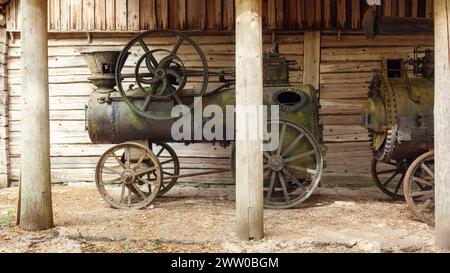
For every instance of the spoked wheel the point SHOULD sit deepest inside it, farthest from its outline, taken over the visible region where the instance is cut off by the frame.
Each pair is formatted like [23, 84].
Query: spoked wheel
[419, 188]
[389, 177]
[170, 165]
[160, 74]
[130, 182]
[293, 171]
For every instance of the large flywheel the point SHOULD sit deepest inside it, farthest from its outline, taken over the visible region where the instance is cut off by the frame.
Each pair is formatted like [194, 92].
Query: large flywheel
[160, 73]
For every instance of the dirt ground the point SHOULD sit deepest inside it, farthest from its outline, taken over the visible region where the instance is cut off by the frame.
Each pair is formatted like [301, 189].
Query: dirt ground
[202, 219]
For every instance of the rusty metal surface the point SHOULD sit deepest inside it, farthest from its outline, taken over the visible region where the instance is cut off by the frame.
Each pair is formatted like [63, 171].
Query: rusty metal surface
[115, 116]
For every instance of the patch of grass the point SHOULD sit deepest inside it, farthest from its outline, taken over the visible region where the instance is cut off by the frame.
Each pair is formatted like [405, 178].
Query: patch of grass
[8, 219]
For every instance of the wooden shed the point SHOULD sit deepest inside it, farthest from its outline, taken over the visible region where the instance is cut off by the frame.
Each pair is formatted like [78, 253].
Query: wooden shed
[324, 37]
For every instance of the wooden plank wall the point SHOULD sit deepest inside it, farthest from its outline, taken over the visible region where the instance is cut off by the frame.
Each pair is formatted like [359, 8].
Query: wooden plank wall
[73, 157]
[135, 15]
[4, 113]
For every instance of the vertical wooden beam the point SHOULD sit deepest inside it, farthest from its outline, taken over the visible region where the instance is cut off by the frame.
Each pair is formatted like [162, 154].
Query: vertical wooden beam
[133, 15]
[249, 93]
[110, 10]
[147, 14]
[442, 122]
[356, 14]
[88, 14]
[311, 72]
[4, 112]
[36, 199]
[65, 14]
[181, 14]
[76, 14]
[272, 15]
[414, 8]
[401, 8]
[387, 8]
[341, 14]
[100, 14]
[327, 13]
[121, 15]
[429, 9]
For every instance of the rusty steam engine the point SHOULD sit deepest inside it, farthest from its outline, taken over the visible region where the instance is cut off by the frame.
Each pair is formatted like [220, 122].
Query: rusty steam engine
[136, 92]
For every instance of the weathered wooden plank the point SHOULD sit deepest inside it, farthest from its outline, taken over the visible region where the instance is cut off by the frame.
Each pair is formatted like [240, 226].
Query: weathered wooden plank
[162, 13]
[356, 14]
[121, 15]
[88, 14]
[65, 14]
[147, 14]
[100, 14]
[133, 18]
[76, 14]
[110, 10]
[341, 14]
[401, 8]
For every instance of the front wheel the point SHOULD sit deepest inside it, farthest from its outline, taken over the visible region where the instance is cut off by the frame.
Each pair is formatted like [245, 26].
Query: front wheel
[419, 188]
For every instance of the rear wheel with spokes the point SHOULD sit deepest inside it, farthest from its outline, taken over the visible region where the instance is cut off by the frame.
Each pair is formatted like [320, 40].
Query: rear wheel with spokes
[389, 177]
[170, 165]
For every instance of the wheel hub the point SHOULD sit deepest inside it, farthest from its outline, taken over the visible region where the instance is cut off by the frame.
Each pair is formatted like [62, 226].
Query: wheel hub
[160, 73]
[128, 176]
[276, 163]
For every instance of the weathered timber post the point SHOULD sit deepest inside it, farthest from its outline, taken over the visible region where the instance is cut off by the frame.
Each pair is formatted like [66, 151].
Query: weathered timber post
[36, 205]
[442, 122]
[249, 96]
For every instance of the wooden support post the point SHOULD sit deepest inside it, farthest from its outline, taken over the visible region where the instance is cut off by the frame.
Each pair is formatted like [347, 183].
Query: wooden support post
[249, 94]
[36, 213]
[311, 70]
[442, 122]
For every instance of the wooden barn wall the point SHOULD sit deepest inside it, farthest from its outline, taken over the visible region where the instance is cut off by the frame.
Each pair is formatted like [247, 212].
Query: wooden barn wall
[135, 15]
[347, 65]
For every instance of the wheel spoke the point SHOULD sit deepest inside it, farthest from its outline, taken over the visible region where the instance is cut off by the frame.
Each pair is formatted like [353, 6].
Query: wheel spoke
[300, 156]
[128, 157]
[425, 167]
[280, 145]
[129, 197]
[167, 162]
[170, 174]
[147, 182]
[151, 59]
[147, 171]
[387, 171]
[177, 45]
[112, 170]
[400, 183]
[138, 165]
[160, 152]
[391, 178]
[177, 99]
[422, 193]
[271, 186]
[303, 169]
[113, 182]
[147, 102]
[292, 145]
[139, 191]
[118, 160]
[288, 173]
[122, 194]
[423, 181]
[283, 185]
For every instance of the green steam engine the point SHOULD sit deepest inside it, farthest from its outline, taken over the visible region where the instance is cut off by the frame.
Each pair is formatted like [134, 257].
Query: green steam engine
[400, 120]
[136, 92]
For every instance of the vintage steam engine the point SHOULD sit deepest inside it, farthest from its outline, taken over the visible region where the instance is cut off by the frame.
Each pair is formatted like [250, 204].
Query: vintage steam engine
[400, 120]
[137, 90]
